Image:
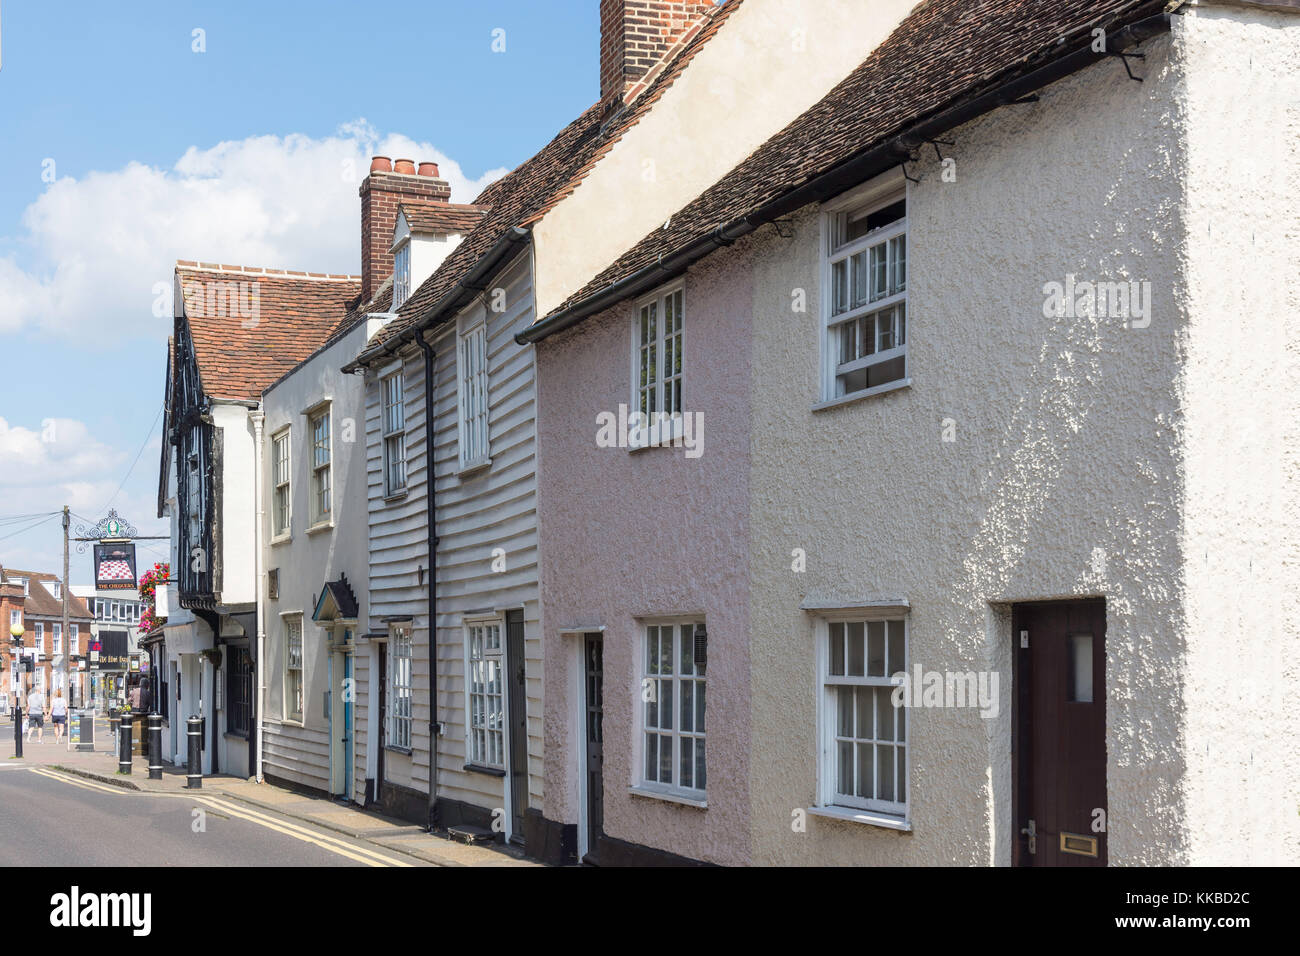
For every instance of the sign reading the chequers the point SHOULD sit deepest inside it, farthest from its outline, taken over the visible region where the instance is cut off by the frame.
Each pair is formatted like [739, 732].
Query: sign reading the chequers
[115, 566]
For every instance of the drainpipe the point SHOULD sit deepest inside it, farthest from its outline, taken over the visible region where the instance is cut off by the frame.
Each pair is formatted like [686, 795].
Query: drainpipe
[258, 420]
[431, 501]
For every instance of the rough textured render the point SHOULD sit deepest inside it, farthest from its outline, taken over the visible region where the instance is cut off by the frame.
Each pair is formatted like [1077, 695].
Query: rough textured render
[1241, 393]
[679, 546]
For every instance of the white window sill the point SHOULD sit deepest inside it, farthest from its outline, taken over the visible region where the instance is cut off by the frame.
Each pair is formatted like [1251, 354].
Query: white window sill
[869, 817]
[474, 466]
[321, 526]
[395, 496]
[669, 797]
[281, 538]
[291, 722]
[673, 437]
[865, 393]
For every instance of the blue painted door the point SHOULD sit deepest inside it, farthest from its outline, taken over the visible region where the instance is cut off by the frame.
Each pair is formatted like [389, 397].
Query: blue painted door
[348, 695]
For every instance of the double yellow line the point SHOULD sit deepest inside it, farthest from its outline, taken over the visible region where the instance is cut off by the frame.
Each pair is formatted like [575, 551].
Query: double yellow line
[212, 802]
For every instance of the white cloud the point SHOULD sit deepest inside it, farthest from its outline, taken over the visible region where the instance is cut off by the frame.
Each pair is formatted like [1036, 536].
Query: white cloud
[99, 245]
[60, 462]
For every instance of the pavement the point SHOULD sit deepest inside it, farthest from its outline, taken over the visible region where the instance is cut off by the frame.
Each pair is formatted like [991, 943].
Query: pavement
[324, 812]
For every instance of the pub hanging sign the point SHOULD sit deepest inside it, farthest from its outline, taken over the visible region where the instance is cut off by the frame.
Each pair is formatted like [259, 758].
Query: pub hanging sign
[115, 566]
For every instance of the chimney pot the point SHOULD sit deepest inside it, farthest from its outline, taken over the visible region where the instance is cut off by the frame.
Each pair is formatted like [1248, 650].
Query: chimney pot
[406, 166]
[429, 169]
[381, 164]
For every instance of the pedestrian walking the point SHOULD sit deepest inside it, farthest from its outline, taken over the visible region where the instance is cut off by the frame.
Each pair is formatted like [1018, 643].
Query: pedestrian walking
[59, 714]
[36, 715]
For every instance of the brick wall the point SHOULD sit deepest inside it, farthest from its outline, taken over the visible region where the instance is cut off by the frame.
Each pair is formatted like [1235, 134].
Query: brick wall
[635, 35]
[381, 194]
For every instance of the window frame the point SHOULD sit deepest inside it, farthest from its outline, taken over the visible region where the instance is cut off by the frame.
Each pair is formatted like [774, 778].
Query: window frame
[881, 192]
[473, 758]
[400, 634]
[473, 399]
[56, 638]
[663, 431]
[282, 469]
[898, 813]
[290, 621]
[401, 273]
[318, 472]
[244, 702]
[391, 435]
[697, 796]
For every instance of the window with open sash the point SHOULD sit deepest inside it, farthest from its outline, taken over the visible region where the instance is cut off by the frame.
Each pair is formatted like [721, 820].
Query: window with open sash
[320, 467]
[485, 680]
[866, 325]
[393, 417]
[401, 274]
[658, 337]
[293, 682]
[471, 362]
[673, 696]
[398, 732]
[280, 476]
[863, 735]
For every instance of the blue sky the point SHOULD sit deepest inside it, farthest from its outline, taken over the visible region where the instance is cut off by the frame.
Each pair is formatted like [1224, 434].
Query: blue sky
[122, 149]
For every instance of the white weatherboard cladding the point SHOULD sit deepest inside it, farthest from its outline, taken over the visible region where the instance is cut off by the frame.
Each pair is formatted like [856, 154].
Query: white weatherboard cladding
[477, 512]
[482, 511]
[238, 534]
[1070, 474]
[399, 548]
[1242, 394]
[306, 561]
[770, 61]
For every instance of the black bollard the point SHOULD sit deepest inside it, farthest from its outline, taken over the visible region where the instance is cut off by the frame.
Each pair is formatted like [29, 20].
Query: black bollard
[18, 730]
[194, 772]
[124, 746]
[155, 746]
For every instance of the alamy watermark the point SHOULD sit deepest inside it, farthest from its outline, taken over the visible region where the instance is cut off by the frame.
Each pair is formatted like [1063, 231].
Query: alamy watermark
[636, 429]
[1130, 301]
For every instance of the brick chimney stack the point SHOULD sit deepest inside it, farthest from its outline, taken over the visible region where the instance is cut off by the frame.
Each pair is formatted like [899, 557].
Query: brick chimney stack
[381, 193]
[636, 34]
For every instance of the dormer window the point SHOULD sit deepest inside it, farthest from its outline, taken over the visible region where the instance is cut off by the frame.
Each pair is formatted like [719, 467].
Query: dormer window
[401, 274]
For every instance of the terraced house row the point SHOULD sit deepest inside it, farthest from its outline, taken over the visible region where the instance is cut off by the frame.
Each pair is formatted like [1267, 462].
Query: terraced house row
[860, 437]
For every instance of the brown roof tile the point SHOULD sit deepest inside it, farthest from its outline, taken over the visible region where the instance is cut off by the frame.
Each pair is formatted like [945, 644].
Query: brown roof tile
[441, 217]
[41, 601]
[249, 326]
[526, 193]
[941, 52]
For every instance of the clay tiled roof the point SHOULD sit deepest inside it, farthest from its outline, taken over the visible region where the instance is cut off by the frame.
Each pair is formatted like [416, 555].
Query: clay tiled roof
[441, 217]
[940, 56]
[247, 335]
[524, 195]
[41, 601]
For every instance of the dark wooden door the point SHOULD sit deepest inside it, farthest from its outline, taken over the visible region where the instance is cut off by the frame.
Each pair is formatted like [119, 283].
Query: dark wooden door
[518, 722]
[383, 719]
[594, 708]
[1060, 731]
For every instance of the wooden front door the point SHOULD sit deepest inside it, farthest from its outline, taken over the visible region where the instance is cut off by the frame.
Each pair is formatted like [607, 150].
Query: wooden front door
[1059, 757]
[518, 704]
[593, 705]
